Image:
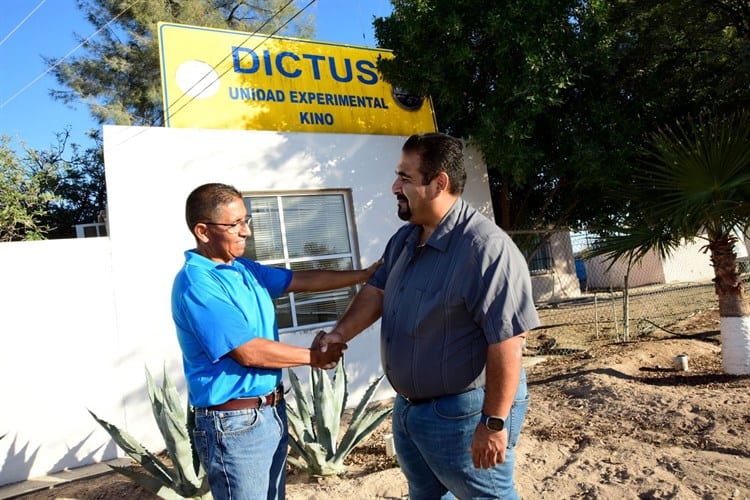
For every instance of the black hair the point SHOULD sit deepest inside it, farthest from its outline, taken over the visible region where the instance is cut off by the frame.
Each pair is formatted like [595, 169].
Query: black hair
[439, 153]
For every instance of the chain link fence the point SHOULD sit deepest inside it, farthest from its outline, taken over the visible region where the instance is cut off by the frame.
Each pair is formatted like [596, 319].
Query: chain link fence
[585, 302]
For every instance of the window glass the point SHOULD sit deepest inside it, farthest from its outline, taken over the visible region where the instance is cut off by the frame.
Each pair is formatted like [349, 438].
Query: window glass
[266, 242]
[316, 225]
[302, 232]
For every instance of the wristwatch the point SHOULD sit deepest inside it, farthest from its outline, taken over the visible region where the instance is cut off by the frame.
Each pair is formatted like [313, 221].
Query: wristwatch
[492, 423]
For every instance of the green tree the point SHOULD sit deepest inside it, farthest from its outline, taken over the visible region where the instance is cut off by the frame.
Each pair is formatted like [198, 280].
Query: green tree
[80, 187]
[118, 76]
[695, 182]
[26, 187]
[560, 94]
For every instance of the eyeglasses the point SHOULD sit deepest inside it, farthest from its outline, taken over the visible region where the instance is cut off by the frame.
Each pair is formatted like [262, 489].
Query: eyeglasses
[233, 227]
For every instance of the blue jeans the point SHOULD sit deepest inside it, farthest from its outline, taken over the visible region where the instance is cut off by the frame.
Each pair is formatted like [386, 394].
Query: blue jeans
[433, 441]
[243, 451]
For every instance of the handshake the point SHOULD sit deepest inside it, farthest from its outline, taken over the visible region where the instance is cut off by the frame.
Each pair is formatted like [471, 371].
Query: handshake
[326, 350]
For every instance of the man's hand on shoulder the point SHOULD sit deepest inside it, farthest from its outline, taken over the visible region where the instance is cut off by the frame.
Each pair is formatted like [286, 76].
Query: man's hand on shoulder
[370, 270]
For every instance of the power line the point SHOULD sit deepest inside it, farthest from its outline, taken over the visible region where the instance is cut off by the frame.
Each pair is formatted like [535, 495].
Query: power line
[59, 61]
[22, 22]
[216, 66]
[224, 59]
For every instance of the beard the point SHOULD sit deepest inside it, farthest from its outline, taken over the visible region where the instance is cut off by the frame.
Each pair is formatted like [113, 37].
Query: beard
[404, 212]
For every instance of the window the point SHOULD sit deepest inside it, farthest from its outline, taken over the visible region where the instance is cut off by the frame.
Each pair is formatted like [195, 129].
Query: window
[535, 248]
[91, 230]
[541, 261]
[304, 231]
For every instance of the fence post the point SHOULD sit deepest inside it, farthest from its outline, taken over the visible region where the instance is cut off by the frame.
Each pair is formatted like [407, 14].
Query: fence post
[625, 308]
[596, 315]
[614, 313]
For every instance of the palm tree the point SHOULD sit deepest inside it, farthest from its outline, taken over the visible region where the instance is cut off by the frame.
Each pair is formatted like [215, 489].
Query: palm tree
[695, 183]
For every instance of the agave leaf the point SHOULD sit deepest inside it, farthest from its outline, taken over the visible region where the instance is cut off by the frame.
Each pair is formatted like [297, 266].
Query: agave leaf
[170, 418]
[136, 451]
[358, 432]
[318, 456]
[327, 419]
[180, 450]
[303, 407]
[172, 398]
[364, 421]
[369, 393]
[147, 481]
[296, 462]
[340, 394]
[297, 436]
[298, 448]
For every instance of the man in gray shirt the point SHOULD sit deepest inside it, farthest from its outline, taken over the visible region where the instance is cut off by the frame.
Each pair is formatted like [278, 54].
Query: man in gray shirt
[455, 301]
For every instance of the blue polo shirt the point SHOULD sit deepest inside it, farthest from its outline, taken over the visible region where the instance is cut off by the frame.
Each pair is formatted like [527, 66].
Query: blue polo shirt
[217, 308]
[445, 302]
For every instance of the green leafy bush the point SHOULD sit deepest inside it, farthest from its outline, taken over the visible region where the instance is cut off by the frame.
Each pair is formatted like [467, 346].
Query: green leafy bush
[186, 479]
[315, 422]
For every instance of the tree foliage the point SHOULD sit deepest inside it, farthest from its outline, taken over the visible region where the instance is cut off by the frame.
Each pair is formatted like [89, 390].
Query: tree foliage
[560, 94]
[119, 76]
[26, 189]
[80, 188]
[693, 179]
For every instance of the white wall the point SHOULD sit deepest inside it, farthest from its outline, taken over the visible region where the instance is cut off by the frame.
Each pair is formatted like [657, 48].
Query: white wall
[61, 354]
[689, 262]
[85, 317]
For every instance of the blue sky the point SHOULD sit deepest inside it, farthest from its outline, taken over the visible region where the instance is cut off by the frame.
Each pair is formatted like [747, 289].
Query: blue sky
[30, 29]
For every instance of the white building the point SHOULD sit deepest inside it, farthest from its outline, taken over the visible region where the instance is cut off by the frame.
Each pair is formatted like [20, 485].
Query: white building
[84, 318]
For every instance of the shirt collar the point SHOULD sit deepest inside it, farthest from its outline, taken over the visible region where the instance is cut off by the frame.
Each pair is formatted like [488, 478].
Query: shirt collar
[193, 258]
[440, 239]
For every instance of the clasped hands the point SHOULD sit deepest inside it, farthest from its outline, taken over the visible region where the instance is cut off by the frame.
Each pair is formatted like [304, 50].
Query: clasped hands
[326, 350]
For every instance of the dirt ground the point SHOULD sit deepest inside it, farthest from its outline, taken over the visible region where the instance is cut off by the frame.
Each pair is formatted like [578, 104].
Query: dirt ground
[615, 421]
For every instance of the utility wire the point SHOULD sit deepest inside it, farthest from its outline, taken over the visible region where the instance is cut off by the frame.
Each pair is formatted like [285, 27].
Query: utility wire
[59, 61]
[161, 120]
[22, 22]
[216, 66]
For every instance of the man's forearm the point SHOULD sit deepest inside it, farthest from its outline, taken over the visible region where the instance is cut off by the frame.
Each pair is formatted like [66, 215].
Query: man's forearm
[320, 280]
[264, 353]
[363, 311]
[503, 374]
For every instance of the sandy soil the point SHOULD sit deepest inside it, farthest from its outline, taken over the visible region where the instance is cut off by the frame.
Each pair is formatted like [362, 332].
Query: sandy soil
[616, 421]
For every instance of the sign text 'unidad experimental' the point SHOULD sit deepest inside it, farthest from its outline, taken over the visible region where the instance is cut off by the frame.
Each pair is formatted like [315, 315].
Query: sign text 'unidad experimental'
[225, 79]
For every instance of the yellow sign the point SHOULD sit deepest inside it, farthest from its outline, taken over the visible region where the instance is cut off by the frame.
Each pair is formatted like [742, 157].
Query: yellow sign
[231, 80]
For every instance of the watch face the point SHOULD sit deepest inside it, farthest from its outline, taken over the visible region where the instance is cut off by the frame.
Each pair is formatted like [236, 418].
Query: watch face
[495, 423]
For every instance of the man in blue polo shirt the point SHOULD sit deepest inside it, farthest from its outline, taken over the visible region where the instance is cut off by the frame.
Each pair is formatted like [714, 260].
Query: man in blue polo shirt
[455, 301]
[222, 306]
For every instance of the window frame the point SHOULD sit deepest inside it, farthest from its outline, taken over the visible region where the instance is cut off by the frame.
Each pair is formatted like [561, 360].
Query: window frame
[286, 261]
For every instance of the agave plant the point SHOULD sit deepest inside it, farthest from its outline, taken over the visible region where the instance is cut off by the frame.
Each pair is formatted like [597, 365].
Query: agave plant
[315, 422]
[186, 478]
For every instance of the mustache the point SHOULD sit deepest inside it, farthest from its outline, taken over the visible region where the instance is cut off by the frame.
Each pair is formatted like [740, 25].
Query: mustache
[401, 197]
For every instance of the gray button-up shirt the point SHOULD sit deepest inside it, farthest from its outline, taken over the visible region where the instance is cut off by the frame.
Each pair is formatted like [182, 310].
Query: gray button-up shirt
[445, 302]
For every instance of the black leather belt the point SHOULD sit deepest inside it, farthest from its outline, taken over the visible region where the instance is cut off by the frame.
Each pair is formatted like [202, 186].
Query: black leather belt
[271, 399]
